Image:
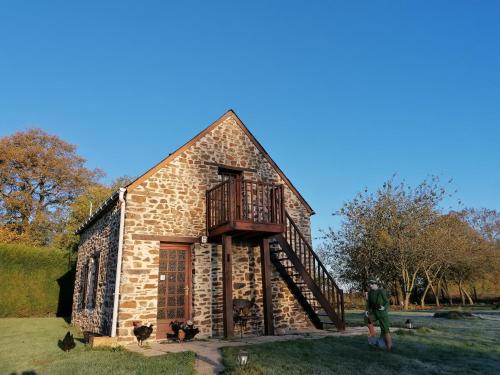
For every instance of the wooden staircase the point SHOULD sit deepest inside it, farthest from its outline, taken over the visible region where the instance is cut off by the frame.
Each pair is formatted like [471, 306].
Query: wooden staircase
[307, 277]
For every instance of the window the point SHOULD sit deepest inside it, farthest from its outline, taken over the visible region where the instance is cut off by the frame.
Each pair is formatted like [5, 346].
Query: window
[89, 281]
[83, 286]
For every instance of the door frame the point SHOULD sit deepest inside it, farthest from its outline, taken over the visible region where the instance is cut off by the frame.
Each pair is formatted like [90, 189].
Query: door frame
[166, 246]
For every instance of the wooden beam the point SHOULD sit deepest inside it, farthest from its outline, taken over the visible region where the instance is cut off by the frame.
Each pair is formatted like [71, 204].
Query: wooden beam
[227, 287]
[230, 167]
[154, 237]
[267, 291]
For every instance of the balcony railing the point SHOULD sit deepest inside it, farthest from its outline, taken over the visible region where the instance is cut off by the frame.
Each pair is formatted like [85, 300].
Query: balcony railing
[236, 201]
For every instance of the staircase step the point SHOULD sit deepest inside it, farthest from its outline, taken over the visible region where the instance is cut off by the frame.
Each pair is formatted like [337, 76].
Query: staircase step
[284, 244]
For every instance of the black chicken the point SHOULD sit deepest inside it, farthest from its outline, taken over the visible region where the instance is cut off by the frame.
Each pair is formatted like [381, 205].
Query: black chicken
[142, 332]
[68, 342]
[188, 328]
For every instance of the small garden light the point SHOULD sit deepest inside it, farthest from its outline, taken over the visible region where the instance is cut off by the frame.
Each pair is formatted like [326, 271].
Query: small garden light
[409, 324]
[243, 358]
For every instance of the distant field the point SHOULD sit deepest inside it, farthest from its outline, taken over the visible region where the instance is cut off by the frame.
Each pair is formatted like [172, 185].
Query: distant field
[437, 346]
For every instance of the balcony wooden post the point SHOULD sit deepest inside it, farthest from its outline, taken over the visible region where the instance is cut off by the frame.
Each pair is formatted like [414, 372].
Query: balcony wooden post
[267, 292]
[227, 287]
[238, 198]
[282, 203]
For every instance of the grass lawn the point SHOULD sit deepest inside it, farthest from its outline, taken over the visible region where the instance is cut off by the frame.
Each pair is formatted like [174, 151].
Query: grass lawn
[437, 346]
[29, 345]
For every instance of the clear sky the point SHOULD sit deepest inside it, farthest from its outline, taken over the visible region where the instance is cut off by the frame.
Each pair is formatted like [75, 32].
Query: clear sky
[342, 94]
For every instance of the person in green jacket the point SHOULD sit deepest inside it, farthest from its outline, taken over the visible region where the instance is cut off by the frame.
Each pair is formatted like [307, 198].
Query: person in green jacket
[377, 306]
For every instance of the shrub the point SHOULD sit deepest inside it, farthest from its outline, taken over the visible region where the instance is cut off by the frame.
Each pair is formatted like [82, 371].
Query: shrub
[453, 315]
[35, 281]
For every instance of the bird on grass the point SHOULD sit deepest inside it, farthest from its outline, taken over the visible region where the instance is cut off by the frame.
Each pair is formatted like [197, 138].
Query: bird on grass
[142, 333]
[68, 342]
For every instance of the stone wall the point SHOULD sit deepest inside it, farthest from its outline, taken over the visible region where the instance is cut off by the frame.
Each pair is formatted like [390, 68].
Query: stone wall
[247, 284]
[100, 239]
[171, 202]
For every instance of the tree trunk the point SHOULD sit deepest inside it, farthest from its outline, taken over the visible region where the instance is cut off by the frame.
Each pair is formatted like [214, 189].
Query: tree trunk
[399, 293]
[431, 285]
[450, 298]
[395, 296]
[436, 294]
[422, 299]
[406, 300]
[462, 296]
[469, 298]
[408, 285]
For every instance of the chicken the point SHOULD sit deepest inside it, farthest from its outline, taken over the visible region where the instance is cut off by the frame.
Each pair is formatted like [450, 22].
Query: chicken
[190, 330]
[181, 335]
[242, 307]
[183, 332]
[68, 342]
[142, 332]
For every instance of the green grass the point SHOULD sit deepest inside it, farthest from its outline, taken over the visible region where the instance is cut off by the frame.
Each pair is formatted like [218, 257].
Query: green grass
[30, 346]
[437, 346]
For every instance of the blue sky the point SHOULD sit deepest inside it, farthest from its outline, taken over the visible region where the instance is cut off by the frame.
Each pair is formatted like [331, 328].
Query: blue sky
[341, 93]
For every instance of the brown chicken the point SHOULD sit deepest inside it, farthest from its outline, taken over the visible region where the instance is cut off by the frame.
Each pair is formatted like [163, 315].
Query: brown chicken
[181, 335]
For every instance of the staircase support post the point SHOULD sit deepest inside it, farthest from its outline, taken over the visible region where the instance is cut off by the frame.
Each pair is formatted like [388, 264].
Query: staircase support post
[267, 292]
[227, 287]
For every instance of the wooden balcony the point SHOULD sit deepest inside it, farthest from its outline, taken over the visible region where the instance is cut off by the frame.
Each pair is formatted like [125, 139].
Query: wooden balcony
[245, 209]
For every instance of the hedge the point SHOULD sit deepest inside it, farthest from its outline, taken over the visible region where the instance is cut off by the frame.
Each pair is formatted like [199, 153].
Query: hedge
[35, 281]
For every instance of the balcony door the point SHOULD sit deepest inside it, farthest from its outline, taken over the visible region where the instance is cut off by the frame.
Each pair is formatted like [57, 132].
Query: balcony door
[234, 177]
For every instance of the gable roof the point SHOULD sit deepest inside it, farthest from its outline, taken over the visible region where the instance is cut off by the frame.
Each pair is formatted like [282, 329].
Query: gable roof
[188, 144]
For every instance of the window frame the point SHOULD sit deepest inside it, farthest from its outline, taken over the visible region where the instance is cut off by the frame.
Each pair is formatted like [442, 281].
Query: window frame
[90, 277]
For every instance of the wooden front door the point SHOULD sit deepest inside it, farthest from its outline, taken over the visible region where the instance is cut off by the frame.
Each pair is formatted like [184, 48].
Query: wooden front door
[174, 286]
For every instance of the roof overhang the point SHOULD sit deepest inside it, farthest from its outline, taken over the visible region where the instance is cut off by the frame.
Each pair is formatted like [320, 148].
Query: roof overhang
[103, 208]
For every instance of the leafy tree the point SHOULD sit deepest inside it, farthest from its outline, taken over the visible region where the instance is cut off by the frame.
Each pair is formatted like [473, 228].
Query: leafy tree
[400, 235]
[455, 251]
[82, 208]
[485, 221]
[40, 176]
[383, 235]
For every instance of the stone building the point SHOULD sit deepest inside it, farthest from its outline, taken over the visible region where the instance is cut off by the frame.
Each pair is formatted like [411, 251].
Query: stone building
[214, 226]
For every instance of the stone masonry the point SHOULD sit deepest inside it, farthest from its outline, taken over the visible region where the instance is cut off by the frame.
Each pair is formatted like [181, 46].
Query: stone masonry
[171, 202]
[100, 240]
